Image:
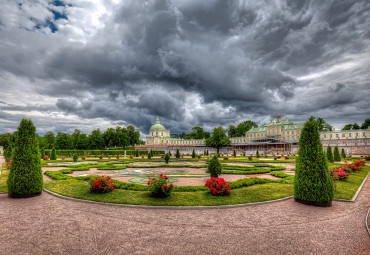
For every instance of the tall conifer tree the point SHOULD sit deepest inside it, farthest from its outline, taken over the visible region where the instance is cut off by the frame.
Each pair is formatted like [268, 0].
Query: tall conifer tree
[25, 176]
[312, 182]
[336, 154]
[329, 154]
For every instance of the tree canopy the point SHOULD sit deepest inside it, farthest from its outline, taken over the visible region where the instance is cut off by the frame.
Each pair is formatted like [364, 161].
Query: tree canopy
[242, 127]
[218, 139]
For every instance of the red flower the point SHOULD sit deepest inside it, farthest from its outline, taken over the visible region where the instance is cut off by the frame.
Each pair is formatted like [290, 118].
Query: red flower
[165, 187]
[166, 177]
[171, 185]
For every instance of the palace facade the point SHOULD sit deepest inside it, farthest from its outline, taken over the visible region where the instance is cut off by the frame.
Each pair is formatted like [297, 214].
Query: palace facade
[277, 137]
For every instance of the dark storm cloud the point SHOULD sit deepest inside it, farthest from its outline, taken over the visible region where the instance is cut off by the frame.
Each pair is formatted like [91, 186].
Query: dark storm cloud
[194, 62]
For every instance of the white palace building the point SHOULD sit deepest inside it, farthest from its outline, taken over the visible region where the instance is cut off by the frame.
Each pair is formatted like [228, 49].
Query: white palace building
[278, 136]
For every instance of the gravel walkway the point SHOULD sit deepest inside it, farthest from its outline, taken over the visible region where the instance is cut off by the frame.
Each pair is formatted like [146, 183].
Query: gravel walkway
[50, 225]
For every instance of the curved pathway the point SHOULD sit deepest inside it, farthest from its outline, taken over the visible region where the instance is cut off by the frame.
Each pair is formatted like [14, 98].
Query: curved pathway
[50, 225]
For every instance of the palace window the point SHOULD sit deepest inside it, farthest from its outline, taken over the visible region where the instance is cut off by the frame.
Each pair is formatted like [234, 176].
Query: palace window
[324, 136]
[337, 135]
[356, 134]
[156, 133]
[287, 132]
[350, 134]
[331, 135]
[292, 132]
[363, 134]
[343, 135]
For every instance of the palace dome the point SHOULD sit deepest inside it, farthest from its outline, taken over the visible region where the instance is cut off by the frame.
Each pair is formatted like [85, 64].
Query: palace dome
[157, 126]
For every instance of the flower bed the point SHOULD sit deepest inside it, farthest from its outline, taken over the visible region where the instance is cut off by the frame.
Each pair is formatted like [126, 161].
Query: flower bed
[159, 187]
[101, 184]
[218, 186]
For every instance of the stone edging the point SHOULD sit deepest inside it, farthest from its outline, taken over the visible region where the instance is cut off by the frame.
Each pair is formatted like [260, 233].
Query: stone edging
[357, 192]
[168, 207]
[366, 225]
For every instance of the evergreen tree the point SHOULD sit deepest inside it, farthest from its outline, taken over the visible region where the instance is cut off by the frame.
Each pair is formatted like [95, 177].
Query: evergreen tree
[343, 154]
[53, 155]
[336, 154]
[193, 154]
[234, 153]
[207, 153]
[214, 167]
[149, 155]
[257, 154]
[25, 176]
[42, 152]
[177, 153]
[329, 154]
[137, 153]
[312, 182]
[167, 158]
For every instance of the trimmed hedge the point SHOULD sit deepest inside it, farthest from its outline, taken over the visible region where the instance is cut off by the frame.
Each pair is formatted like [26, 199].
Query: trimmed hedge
[25, 176]
[312, 182]
[69, 153]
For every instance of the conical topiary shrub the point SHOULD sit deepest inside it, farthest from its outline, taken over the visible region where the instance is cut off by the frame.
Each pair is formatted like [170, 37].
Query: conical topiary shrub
[214, 167]
[53, 155]
[257, 154]
[343, 154]
[167, 158]
[312, 182]
[25, 176]
[336, 154]
[329, 154]
[193, 154]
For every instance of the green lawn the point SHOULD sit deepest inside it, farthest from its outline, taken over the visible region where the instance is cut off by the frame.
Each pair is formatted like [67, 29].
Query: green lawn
[4, 178]
[263, 192]
[347, 189]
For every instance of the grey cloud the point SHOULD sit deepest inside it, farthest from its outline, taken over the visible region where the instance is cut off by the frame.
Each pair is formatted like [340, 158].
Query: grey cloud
[193, 62]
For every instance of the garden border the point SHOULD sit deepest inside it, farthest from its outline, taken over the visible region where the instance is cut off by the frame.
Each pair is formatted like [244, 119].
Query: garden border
[356, 194]
[366, 225]
[168, 207]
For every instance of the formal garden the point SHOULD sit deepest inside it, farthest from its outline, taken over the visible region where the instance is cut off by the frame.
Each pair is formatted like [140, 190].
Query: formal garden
[157, 178]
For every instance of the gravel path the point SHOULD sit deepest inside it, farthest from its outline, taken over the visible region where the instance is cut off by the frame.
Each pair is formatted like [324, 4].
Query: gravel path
[50, 225]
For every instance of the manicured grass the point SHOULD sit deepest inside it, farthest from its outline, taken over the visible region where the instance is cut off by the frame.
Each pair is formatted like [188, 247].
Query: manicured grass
[4, 179]
[347, 189]
[263, 192]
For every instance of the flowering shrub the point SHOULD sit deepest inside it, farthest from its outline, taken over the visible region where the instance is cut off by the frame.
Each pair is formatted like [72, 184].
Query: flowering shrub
[218, 186]
[117, 157]
[279, 156]
[351, 168]
[250, 157]
[45, 158]
[226, 158]
[83, 158]
[8, 164]
[88, 156]
[160, 187]
[101, 156]
[63, 158]
[338, 174]
[359, 163]
[101, 184]
[286, 157]
[367, 157]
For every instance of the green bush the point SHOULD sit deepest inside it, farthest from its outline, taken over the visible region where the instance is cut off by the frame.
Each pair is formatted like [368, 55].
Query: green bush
[336, 154]
[160, 186]
[25, 176]
[177, 153]
[42, 152]
[149, 155]
[312, 181]
[329, 154]
[343, 154]
[101, 184]
[53, 155]
[214, 167]
[75, 157]
[167, 158]
[257, 154]
[193, 154]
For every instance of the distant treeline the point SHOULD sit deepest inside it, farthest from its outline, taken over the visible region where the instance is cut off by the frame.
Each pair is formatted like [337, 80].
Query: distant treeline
[112, 137]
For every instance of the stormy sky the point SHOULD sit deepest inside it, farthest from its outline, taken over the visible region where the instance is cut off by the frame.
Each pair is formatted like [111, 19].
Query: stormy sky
[98, 64]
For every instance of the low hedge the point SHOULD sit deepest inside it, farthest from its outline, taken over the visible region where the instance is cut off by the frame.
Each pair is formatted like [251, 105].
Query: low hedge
[99, 152]
[280, 174]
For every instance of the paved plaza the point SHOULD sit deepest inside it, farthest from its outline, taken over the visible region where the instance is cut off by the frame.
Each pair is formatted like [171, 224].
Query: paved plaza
[50, 225]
